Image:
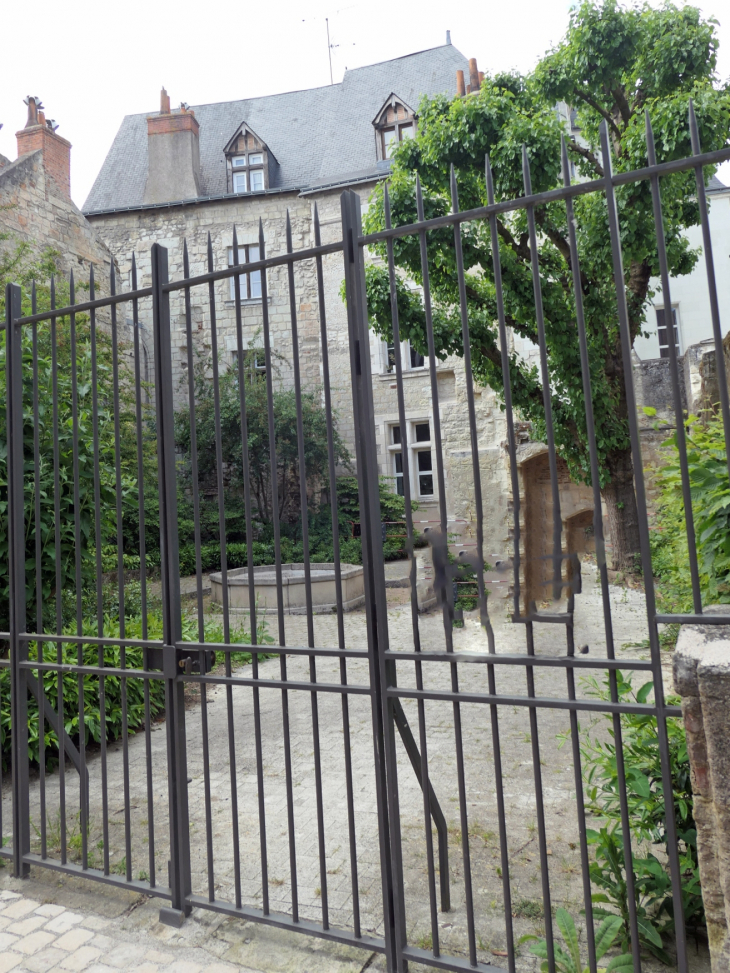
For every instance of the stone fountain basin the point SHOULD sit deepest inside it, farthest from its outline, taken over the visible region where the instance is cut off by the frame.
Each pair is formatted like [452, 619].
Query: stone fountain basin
[324, 597]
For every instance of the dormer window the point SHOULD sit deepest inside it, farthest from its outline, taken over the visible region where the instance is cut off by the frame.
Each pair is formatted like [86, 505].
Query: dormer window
[394, 123]
[248, 162]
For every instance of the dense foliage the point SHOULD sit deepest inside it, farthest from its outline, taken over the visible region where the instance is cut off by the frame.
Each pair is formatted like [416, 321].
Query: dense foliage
[647, 813]
[613, 64]
[710, 490]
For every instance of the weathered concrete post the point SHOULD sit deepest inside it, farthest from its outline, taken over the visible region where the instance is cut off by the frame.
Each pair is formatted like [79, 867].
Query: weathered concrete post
[702, 679]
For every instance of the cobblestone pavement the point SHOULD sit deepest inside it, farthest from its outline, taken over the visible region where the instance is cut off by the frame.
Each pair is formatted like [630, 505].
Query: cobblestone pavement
[264, 949]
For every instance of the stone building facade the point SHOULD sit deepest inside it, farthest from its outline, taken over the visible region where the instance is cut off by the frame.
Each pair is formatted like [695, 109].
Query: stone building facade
[178, 177]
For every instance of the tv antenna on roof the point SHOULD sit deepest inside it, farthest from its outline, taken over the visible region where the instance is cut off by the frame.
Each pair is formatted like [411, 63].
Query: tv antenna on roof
[329, 47]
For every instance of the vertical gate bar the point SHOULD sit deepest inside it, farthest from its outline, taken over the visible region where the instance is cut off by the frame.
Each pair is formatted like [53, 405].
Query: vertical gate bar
[448, 600]
[545, 378]
[711, 282]
[199, 580]
[59, 584]
[557, 560]
[338, 579]
[254, 637]
[120, 588]
[180, 875]
[405, 465]
[474, 441]
[422, 735]
[423, 740]
[659, 702]
[245, 466]
[224, 581]
[512, 449]
[600, 557]
[99, 570]
[83, 782]
[304, 506]
[279, 590]
[39, 581]
[382, 674]
[16, 579]
[143, 573]
[674, 371]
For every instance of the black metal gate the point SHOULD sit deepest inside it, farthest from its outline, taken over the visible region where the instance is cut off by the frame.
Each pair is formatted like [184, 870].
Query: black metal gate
[391, 799]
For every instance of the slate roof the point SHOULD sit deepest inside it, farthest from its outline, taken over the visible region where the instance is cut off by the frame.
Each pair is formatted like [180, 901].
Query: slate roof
[318, 136]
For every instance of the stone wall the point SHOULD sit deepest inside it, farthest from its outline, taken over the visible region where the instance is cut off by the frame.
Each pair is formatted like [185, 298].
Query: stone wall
[34, 210]
[702, 678]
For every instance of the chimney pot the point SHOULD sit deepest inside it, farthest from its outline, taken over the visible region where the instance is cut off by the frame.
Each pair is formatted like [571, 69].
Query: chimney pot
[473, 74]
[460, 89]
[481, 78]
[164, 102]
[448, 36]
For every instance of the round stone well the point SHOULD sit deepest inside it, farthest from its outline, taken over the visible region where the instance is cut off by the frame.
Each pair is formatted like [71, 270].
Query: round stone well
[264, 577]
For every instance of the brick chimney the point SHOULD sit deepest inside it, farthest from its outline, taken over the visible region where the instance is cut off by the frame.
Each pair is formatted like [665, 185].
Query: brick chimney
[173, 154]
[40, 133]
[474, 84]
[460, 89]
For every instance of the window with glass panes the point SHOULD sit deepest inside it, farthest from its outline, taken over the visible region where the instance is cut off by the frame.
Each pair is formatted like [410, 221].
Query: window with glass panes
[663, 331]
[421, 462]
[248, 172]
[250, 283]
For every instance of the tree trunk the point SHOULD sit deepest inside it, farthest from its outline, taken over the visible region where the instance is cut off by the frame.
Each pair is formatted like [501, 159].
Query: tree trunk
[623, 519]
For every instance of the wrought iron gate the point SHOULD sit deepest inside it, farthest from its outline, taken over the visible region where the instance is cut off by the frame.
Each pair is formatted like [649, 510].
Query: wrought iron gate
[394, 889]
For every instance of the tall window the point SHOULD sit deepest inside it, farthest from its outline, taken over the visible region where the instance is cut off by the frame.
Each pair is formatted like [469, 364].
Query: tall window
[419, 457]
[409, 357]
[663, 331]
[394, 134]
[250, 283]
[248, 172]
[424, 463]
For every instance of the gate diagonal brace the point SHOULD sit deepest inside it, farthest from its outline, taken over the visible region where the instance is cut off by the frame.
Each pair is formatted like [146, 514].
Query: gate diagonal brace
[63, 738]
[414, 755]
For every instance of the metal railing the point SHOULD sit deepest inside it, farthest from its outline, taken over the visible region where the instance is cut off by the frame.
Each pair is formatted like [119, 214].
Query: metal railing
[280, 699]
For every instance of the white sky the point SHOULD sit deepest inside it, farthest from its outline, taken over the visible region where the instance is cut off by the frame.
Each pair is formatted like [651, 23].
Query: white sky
[91, 63]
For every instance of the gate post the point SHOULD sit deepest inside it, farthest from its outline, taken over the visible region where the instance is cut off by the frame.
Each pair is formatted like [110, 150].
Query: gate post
[16, 578]
[180, 875]
[382, 672]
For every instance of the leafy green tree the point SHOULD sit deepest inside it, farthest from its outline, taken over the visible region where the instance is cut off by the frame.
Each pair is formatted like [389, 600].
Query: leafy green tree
[285, 421]
[613, 64]
[20, 263]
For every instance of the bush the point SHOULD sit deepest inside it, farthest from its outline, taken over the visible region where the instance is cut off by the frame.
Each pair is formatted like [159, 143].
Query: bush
[711, 506]
[647, 813]
[112, 658]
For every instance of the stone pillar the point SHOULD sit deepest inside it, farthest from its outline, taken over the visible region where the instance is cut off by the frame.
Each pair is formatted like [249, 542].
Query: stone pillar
[702, 679]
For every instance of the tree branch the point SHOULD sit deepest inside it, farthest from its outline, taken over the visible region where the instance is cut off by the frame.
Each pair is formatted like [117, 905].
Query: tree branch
[601, 111]
[588, 155]
[521, 249]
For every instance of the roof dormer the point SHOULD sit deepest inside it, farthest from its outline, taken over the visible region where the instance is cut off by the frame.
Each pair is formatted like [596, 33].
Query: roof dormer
[395, 122]
[249, 162]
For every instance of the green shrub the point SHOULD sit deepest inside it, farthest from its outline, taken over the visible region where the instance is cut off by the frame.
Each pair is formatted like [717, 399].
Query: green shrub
[112, 658]
[647, 813]
[710, 493]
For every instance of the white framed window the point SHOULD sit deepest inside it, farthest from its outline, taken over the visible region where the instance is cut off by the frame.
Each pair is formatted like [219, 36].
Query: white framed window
[415, 359]
[663, 331]
[248, 172]
[250, 283]
[419, 456]
[254, 362]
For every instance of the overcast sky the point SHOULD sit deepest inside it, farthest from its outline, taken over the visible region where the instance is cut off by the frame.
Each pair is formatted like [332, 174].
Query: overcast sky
[92, 63]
